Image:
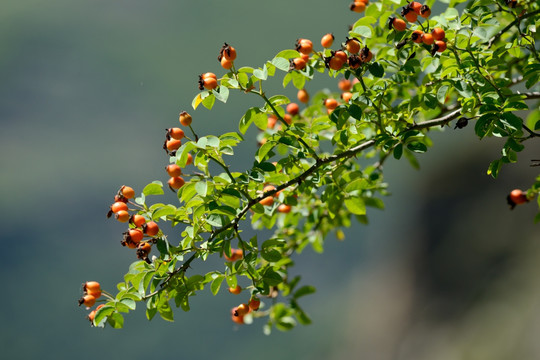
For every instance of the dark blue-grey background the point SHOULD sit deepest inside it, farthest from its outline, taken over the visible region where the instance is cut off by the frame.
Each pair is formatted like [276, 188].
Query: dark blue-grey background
[86, 91]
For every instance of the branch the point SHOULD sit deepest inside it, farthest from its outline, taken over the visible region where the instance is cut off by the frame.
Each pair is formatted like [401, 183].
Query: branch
[507, 27]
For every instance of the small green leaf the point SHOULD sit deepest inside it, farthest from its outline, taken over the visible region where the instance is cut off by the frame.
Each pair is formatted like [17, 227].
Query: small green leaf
[355, 206]
[222, 94]
[155, 188]
[201, 187]
[216, 284]
[303, 291]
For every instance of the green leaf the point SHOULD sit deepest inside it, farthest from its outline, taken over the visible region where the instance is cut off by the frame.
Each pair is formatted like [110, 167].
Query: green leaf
[270, 255]
[163, 211]
[441, 93]
[363, 31]
[222, 94]
[208, 102]
[355, 111]
[303, 291]
[116, 320]
[201, 188]
[165, 311]
[155, 188]
[288, 54]
[261, 74]
[264, 150]
[271, 278]
[398, 151]
[216, 284]
[376, 69]
[251, 115]
[355, 206]
[281, 63]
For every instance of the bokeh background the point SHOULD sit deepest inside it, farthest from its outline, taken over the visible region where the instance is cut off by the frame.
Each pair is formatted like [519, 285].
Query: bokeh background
[86, 91]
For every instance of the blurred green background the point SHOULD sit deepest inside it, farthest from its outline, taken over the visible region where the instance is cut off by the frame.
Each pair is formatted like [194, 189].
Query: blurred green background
[87, 89]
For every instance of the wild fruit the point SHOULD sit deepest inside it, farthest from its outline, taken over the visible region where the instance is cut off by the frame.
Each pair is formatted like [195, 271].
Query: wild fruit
[304, 46]
[352, 46]
[438, 33]
[173, 144]
[227, 52]
[122, 216]
[416, 36]
[189, 160]
[517, 197]
[287, 118]
[175, 133]
[91, 286]
[344, 85]
[236, 318]
[242, 310]
[254, 303]
[366, 55]
[119, 206]
[137, 220]
[284, 208]
[330, 104]
[293, 109]
[87, 300]
[151, 228]
[176, 182]
[272, 120]
[127, 192]
[236, 290]
[427, 39]
[335, 63]
[174, 170]
[440, 46]
[327, 40]
[416, 7]
[409, 14]
[346, 96]
[298, 63]
[397, 24]
[358, 6]
[226, 64]
[143, 249]
[185, 119]
[303, 96]
[425, 11]
[136, 235]
[236, 254]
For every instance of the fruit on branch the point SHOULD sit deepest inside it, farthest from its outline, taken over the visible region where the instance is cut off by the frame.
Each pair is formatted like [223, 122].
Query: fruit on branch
[241, 310]
[327, 40]
[438, 33]
[127, 192]
[122, 216]
[298, 63]
[175, 133]
[151, 228]
[174, 170]
[176, 182]
[416, 7]
[184, 118]
[227, 52]
[284, 208]
[189, 160]
[425, 11]
[143, 249]
[88, 300]
[516, 197]
[254, 303]
[303, 96]
[137, 220]
[416, 36]
[208, 81]
[293, 109]
[92, 288]
[236, 254]
[345, 85]
[358, 6]
[173, 144]
[397, 24]
[304, 46]
[119, 206]
[352, 45]
[235, 290]
[427, 39]
[409, 14]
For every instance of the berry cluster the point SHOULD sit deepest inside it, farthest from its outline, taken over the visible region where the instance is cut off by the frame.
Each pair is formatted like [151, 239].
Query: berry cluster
[139, 225]
[91, 292]
[422, 35]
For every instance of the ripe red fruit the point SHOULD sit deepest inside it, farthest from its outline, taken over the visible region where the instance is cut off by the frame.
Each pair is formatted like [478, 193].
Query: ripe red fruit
[173, 170]
[327, 40]
[91, 286]
[284, 208]
[293, 108]
[87, 300]
[352, 46]
[175, 133]
[427, 39]
[397, 24]
[341, 55]
[209, 83]
[304, 46]
[299, 63]
[226, 64]
[518, 197]
[173, 144]
[330, 104]
[438, 33]
[411, 16]
[176, 182]
[272, 120]
[344, 85]
[425, 11]
[136, 235]
[122, 216]
[185, 119]
[189, 160]
[416, 7]
[242, 310]
[143, 249]
[287, 118]
[303, 96]
[236, 290]
[346, 96]
[335, 63]
[227, 52]
[440, 46]
[358, 6]
[254, 303]
[137, 220]
[151, 228]
[416, 36]
[127, 192]
[119, 206]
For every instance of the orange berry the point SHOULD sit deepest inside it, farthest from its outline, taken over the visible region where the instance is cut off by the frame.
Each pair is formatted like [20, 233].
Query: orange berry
[411, 16]
[416, 36]
[210, 83]
[87, 300]
[287, 118]
[173, 170]
[304, 46]
[427, 39]
[267, 201]
[119, 206]
[151, 228]
[242, 310]
[344, 85]
[185, 118]
[236, 254]
[122, 216]
[284, 208]
[335, 63]
[137, 220]
[341, 56]
[176, 182]
[209, 75]
[175, 133]
[415, 6]
[303, 96]
[91, 286]
[440, 45]
[254, 303]
[136, 235]
[397, 24]
[327, 40]
[438, 33]
[226, 64]
[330, 104]
[236, 290]
[293, 109]
[189, 160]
[299, 63]
[271, 122]
[227, 52]
[358, 6]
[127, 192]
[346, 96]
[425, 11]
[173, 144]
[305, 57]
[352, 46]
[143, 249]
[518, 197]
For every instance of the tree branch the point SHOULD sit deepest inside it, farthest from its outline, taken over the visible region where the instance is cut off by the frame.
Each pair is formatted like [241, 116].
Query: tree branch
[507, 27]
